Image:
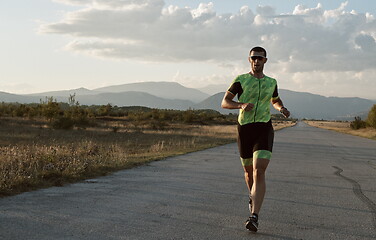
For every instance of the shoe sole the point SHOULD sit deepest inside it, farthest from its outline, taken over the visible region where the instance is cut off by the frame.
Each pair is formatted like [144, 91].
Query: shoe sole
[251, 227]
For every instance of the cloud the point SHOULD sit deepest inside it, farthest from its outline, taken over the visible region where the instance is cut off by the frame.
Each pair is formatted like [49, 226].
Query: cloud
[366, 42]
[153, 33]
[112, 4]
[305, 40]
[147, 30]
[334, 83]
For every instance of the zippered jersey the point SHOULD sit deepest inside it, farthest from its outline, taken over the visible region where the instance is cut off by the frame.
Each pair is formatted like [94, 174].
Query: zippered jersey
[257, 91]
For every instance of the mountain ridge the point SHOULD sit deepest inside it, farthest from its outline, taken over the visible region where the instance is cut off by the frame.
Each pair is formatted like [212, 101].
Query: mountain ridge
[307, 105]
[159, 89]
[301, 104]
[65, 93]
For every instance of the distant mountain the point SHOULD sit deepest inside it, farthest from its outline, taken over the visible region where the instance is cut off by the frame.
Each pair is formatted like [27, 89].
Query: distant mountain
[214, 88]
[214, 102]
[168, 90]
[8, 97]
[65, 93]
[168, 95]
[306, 105]
[134, 99]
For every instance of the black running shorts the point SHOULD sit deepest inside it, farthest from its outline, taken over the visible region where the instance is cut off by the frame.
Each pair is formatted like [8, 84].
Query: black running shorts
[255, 140]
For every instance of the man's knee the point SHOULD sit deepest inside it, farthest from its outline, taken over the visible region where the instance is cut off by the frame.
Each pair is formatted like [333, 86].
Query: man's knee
[260, 164]
[259, 173]
[259, 167]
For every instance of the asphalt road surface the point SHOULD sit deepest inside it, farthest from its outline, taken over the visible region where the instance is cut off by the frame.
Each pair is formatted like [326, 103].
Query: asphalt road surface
[320, 185]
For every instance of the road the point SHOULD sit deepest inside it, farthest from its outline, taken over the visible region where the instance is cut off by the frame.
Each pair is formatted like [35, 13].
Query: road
[320, 185]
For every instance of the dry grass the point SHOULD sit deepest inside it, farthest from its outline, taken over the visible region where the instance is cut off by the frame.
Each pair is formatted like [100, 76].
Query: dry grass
[344, 127]
[277, 125]
[33, 156]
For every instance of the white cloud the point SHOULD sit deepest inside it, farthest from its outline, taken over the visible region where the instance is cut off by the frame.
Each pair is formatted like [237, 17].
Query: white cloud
[305, 42]
[113, 4]
[147, 30]
[335, 13]
[265, 11]
[203, 11]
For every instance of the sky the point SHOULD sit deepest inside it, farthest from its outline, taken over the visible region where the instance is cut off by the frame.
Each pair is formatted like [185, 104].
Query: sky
[321, 47]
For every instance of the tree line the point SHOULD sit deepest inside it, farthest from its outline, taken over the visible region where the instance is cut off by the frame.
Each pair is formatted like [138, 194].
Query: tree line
[68, 115]
[61, 115]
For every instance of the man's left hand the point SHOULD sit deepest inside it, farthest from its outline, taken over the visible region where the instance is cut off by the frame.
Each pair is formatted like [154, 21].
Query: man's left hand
[285, 112]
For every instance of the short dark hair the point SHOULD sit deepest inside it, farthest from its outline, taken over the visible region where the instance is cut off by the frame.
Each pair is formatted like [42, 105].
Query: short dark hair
[258, 49]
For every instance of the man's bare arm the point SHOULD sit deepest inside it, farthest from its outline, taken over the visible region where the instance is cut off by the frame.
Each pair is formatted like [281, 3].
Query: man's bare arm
[278, 105]
[229, 103]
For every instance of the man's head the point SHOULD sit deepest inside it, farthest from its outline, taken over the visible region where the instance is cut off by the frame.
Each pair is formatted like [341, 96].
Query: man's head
[259, 50]
[257, 58]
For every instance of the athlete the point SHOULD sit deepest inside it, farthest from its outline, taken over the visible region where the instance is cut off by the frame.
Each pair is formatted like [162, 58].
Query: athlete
[255, 91]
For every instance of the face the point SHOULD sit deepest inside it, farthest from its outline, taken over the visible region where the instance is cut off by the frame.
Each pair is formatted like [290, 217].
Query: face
[257, 60]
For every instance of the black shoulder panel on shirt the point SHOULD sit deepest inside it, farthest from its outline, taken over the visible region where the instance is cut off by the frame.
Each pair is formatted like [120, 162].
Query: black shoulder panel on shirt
[275, 93]
[236, 88]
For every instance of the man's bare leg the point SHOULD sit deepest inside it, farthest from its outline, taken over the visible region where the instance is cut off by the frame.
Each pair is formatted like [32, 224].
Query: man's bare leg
[248, 175]
[257, 189]
[259, 186]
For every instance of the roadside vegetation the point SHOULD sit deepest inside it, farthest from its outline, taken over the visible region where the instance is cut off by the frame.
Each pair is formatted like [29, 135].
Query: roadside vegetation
[51, 143]
[357, 127]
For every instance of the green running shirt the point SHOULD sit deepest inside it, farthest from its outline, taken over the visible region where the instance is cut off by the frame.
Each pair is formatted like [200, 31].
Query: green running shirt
[256, 91]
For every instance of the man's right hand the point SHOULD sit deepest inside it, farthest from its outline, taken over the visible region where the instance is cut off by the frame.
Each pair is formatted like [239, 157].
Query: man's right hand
[247, 106]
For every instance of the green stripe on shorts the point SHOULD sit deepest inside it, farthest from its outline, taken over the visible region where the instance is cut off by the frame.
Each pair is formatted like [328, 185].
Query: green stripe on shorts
[246, 161]
[265, 154]
[262, 154]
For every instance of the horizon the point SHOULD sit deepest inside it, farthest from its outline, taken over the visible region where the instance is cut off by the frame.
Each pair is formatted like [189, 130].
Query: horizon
[200, 89]
[57, 45]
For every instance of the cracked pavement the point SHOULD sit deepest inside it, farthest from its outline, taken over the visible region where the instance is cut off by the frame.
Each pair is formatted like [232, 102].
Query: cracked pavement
[320, 185]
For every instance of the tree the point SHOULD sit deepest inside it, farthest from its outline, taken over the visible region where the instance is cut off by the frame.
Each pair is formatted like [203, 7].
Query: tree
[105, 110]
[72, 100]
[358, 123]
[371, 120]
[50, 108]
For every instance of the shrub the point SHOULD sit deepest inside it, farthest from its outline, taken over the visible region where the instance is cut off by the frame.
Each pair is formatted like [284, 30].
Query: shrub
[358, 123]
[105, 110]
[157, 125]
[188, 116]
[50, 108]
[371, 120]
[63, 123]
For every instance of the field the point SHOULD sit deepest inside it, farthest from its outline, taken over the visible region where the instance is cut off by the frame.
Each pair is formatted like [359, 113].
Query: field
[33, 155]
[344, 127]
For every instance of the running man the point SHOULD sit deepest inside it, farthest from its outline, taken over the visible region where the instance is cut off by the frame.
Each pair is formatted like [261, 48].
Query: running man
[255, 131]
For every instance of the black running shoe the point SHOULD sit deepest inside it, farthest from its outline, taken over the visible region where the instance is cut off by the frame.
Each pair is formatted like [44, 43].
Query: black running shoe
[252, 223]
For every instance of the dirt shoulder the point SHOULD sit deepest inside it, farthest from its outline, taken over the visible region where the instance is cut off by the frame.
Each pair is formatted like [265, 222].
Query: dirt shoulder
[344, 127]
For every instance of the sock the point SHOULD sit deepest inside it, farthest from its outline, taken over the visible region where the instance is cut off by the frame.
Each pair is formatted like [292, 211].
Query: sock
[255, 215]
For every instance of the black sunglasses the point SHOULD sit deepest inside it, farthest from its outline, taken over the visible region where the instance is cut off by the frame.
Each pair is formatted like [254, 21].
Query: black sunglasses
[254, 58]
